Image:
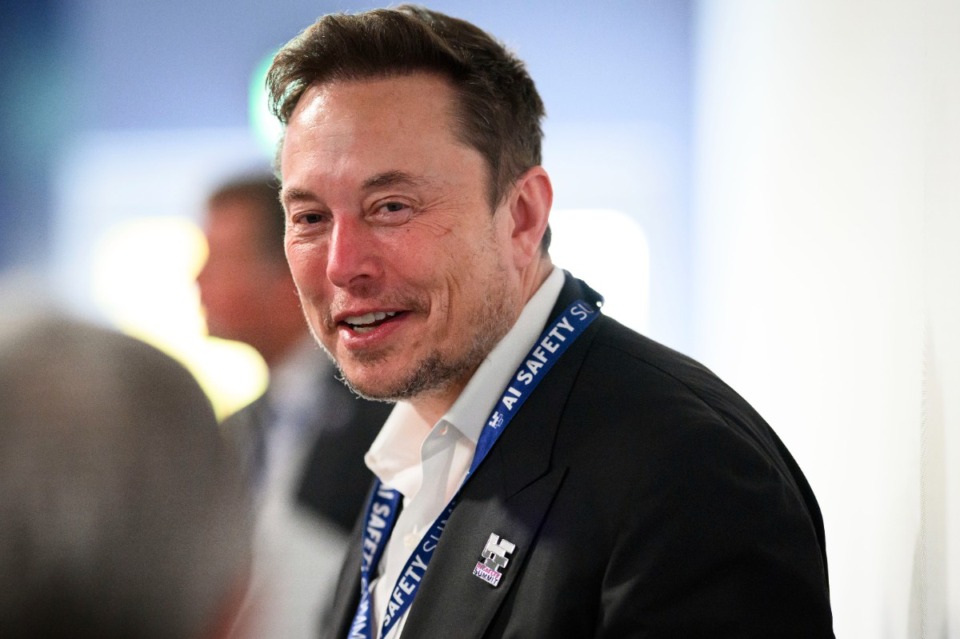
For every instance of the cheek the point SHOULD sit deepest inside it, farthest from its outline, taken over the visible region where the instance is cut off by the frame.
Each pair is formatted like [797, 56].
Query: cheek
[307, 266]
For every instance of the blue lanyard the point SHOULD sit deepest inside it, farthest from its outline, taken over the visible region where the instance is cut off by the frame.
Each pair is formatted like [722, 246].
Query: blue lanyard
[381, 513]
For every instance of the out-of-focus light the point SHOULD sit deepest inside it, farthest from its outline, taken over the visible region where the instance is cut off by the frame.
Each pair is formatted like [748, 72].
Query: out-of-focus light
[608, 250]
[266, 127]
[144, 282]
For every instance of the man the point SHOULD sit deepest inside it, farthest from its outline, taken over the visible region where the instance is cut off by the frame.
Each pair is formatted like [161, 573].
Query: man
[303, 441]
[610, 486]
[123, 513]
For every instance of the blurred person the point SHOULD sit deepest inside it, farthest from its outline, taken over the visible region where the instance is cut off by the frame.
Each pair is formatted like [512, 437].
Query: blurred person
[546, 472]
[303, 440]
[122, 511]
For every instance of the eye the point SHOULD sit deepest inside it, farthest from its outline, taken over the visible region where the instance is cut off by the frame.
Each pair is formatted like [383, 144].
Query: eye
[308, 219]
[392, 212]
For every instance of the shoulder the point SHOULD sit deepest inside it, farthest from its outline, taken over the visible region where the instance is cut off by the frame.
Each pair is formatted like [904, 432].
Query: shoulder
[665, 417]
[643, 373]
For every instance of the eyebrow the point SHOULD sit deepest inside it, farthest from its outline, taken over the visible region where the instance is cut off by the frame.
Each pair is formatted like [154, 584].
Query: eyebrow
[380, 180]
[294, 195]
[392, 178]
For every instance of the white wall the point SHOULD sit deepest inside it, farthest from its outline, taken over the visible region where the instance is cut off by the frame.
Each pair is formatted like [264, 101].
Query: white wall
[828, 276]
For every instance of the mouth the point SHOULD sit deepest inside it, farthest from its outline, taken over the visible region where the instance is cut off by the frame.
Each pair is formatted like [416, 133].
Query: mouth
[367, 322]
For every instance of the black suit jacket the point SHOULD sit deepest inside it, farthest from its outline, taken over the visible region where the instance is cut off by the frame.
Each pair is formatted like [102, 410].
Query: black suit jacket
[334, 480]
[645, 499]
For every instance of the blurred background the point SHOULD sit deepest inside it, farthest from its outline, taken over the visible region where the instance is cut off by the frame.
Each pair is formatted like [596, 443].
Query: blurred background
[771, 187]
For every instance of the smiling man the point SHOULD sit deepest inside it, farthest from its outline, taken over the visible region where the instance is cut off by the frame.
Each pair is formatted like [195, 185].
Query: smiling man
[546, 471]
[417, 288]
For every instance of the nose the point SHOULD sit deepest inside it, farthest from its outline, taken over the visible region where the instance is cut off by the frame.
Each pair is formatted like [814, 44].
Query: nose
[352, 258]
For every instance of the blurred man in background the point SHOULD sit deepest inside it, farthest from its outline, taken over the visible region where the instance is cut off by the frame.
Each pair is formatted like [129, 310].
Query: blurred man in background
[122, 512]
[303, 440]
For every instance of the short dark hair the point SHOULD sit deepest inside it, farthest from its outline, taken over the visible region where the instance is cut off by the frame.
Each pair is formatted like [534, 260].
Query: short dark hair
[262, 192]
[499, 110]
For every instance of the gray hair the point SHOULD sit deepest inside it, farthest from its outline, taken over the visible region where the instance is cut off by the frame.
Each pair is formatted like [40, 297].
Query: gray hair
[122, 513]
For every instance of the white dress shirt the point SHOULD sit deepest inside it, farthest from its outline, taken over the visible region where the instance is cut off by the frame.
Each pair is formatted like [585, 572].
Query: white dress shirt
[427, 463]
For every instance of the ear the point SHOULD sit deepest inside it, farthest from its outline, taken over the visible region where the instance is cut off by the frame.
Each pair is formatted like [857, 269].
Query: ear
[530, 204]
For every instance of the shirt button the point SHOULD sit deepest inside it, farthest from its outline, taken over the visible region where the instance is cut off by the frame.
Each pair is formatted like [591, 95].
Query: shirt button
[444, 429]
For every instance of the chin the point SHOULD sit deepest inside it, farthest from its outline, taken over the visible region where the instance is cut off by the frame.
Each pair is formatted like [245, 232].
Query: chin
[366, 380]
[368, 391]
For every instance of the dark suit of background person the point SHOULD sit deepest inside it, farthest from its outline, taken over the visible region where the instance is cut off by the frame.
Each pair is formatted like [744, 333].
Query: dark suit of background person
[645, 498]
[302, 441]
[122, 511]
[634, 494]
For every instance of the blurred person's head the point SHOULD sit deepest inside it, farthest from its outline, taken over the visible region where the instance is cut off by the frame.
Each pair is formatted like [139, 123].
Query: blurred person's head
[245, 285]
[122, 514]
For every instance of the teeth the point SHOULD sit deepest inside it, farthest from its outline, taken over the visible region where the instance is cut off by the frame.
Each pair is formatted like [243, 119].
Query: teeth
[368, 318]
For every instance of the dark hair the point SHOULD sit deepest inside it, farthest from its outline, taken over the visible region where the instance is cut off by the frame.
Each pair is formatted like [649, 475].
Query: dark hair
[262, 192]
[498, 112]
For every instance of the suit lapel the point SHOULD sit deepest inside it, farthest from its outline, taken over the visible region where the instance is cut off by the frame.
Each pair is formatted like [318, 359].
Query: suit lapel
[336, 621]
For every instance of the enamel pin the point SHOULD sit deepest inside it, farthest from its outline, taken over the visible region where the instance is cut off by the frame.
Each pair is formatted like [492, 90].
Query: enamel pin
[494, 557]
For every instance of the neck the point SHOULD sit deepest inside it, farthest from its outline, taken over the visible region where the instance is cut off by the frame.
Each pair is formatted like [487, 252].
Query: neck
[532, 279]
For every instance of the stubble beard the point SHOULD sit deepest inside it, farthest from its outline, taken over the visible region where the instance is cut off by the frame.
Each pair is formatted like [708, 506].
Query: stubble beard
[437, 372]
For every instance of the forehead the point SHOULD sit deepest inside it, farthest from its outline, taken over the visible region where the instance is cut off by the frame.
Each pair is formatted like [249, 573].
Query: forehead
[392, 110]
[418, 102]
[344, 132]
[236, 214]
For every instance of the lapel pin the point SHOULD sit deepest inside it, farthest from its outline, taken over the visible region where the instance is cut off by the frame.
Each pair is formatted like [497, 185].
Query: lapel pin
[494, 559]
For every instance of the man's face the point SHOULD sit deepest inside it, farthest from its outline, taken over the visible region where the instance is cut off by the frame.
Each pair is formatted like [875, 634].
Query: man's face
[404, 273]
[234, 281]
